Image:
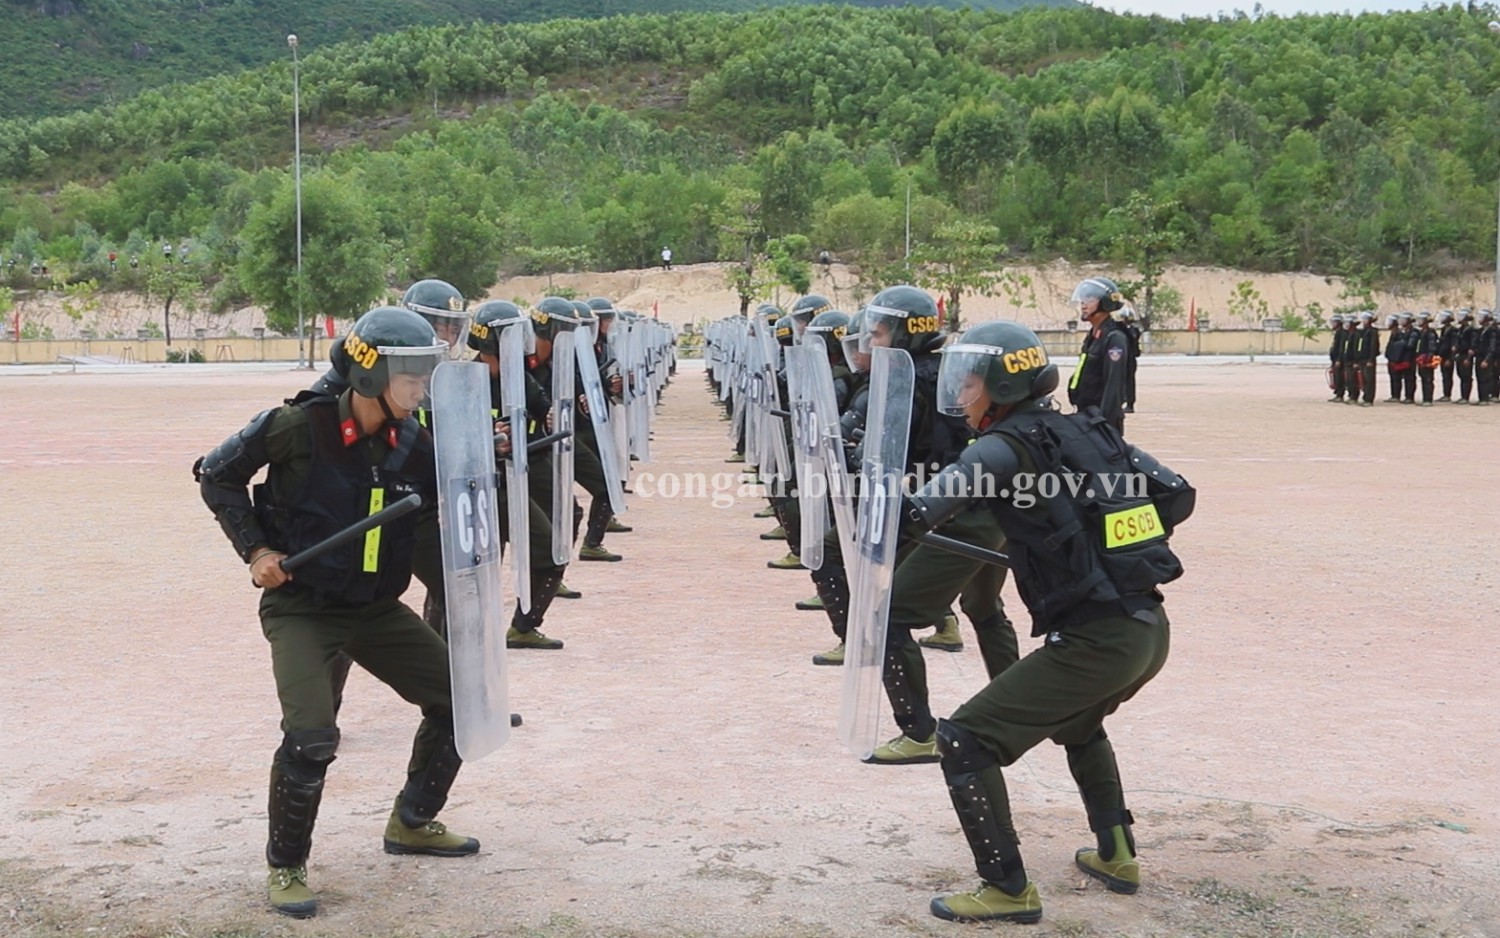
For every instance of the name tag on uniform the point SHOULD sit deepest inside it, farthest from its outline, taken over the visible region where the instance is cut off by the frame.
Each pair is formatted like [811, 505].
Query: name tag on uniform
[1132, 526]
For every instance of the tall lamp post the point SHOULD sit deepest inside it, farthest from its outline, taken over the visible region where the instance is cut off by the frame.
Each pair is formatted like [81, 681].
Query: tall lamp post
[302, 335]
[1495, 28]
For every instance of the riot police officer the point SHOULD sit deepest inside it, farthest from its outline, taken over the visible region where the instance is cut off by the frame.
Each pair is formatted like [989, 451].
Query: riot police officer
[1407, 347]
[1395, 356]
[1338, 357]
[926, 581]
[1087, 566]
[1099, 379]
[489, 321]
[1447, 351]
[329, 458]
[1464, 346]
[1424, 349]
[588, 469]
[1133, 333]
[1487, 357]
[1362, 351]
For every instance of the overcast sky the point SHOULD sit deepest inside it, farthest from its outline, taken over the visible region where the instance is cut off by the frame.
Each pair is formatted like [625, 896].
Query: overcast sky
[1177, 8]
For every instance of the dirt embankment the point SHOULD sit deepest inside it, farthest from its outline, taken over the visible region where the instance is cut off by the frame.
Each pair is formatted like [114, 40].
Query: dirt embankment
[1036, 295]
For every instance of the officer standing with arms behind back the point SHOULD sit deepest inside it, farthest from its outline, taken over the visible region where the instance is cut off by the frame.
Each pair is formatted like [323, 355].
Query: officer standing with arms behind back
[1087, 567]
[330, 459]
[1103, 368]
[1362, 352]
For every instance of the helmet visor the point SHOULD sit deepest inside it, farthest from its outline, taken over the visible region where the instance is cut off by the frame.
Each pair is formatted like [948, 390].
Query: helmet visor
[961, 376]
[410, 369]
[1090, 289]
[451, 326]
[882, 325]
[858, 362]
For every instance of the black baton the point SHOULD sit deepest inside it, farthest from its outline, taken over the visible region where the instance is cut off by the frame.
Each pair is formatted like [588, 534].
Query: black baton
[540, 443]
[981, 554]
[390, 512]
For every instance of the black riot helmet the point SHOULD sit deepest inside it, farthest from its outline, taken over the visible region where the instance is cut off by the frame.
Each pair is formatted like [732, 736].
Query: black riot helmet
[387, 343]
[587, 321]
[440, 303]
[1103, 289]
[830, 326]
[901, 317]
[1008, 359]
[553, 314]
[493, 316]
[806, 308]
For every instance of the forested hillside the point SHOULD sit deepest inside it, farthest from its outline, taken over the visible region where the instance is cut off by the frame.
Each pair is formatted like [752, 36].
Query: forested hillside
[60, 55]
[1360, 146]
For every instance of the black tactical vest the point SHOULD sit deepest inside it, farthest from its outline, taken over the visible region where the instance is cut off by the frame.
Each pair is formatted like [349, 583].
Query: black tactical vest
[340, 488]
[1101, 552]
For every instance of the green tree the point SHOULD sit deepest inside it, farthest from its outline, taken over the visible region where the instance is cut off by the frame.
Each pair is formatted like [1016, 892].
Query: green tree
[341, 254]
[961, 259]
[788, 260]
[458, 247]
[1145, 235]
[171, 282]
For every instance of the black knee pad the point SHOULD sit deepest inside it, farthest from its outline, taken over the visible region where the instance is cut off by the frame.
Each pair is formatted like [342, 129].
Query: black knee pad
[961, 750]
[304, 754]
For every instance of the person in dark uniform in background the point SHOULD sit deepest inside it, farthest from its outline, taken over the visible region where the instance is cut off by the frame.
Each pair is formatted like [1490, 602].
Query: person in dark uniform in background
[1338, 358]
[1487, 356]
[1362, 350]
[1099, 379]
[329, 459]
[1133, 332]
[1464, 344]
[1447, 348]
[1395, 352]
[1425, 346]
[1408, 370]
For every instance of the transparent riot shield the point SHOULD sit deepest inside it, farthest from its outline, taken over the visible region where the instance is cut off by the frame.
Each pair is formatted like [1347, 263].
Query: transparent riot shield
[563, 357]
[638, 401]
[517, 468]
[812, 488]
[874, 560]
[463, 439]
[830, 443]
[604, 431]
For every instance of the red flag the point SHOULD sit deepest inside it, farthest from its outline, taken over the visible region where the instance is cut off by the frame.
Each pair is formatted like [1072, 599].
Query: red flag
[942, 305]
[655, 309]
[328, 326]
[1193, 314]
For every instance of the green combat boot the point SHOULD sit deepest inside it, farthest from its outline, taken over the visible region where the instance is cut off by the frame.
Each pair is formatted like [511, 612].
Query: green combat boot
[431, 839]
[736, 458]
[790, 562]
[834, 656]
[903, 750]
[946, 638]
[289, 894]
[515, 638]
[1121, 873]
[597, 553]
[766, 512]
[777, 533]
[990, 904]
[810, 605]
[563, 592]
[615, 527]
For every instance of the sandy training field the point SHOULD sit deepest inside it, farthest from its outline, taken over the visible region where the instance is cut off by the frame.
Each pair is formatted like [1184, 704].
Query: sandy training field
[1318, 758]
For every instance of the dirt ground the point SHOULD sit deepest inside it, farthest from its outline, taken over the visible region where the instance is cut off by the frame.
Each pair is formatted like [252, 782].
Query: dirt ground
[1318, 758]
